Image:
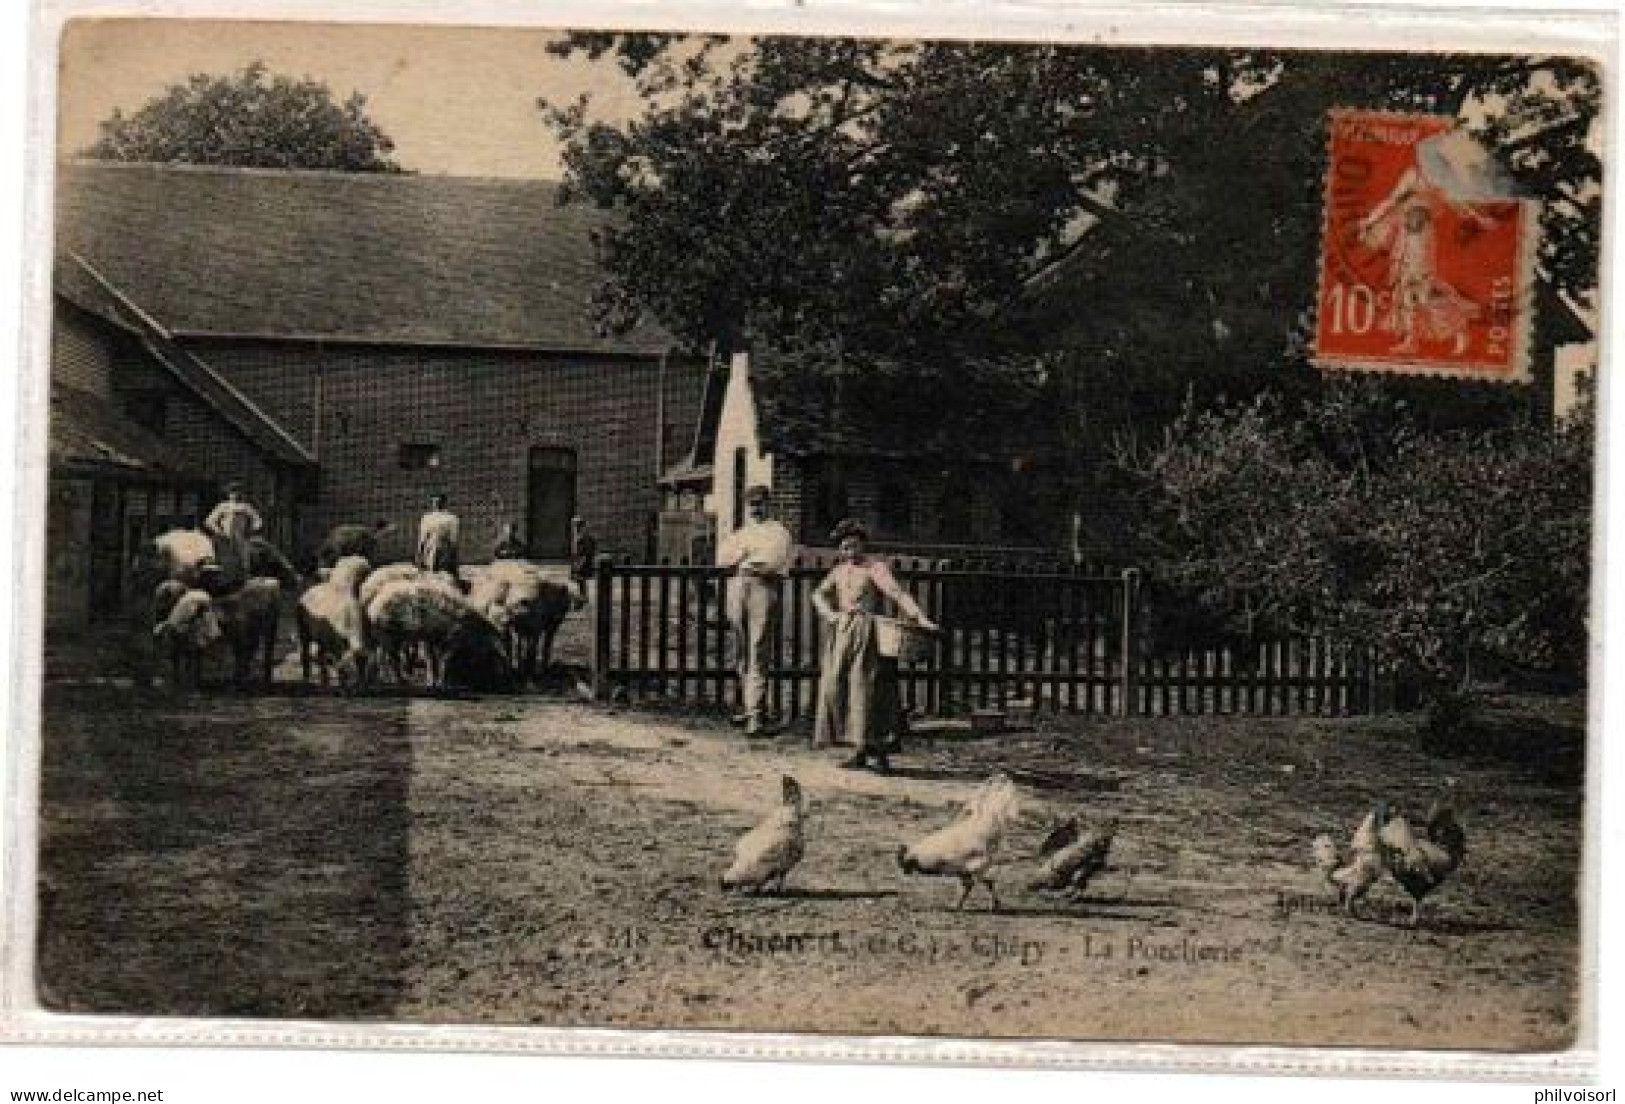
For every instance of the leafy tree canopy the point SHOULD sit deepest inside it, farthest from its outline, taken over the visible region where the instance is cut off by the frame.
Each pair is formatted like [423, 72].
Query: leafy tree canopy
[1145, 220]
[253, 119]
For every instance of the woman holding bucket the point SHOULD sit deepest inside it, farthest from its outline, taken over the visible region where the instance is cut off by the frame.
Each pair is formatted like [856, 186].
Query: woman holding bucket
[849, 600]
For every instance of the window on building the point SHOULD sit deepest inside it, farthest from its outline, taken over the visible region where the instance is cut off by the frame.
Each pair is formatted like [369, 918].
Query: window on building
[739, 487]
[417, 456]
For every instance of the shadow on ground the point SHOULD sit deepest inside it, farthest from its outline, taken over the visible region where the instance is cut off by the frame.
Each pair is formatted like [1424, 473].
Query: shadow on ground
[168, 886]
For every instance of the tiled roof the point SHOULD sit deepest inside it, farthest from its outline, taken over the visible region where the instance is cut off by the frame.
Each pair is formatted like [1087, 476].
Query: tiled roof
[89, 434]
[79, 283]
[687, 474]
[377, 257]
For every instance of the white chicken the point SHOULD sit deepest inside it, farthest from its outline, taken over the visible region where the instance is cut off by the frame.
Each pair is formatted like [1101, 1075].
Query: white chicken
[765, 855]
[1354, 872]
[968, 848]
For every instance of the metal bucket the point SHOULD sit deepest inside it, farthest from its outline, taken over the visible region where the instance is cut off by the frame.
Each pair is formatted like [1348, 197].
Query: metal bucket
[900, 640]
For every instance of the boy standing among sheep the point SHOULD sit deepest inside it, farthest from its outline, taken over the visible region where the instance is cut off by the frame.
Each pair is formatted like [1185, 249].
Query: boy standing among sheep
[233, 523]
[759, 553]
[437, 538]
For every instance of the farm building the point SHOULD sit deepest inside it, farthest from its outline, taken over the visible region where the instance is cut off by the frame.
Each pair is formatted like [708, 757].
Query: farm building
[371, 339]
[825, 463]
[140, 433]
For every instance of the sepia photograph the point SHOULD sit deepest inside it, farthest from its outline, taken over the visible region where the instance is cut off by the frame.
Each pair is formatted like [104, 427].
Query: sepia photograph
[828, 535]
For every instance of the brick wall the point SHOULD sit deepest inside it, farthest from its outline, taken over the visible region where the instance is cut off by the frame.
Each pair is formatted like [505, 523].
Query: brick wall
[789, 496]
[933, 506]
[482, 411]
[209, 443]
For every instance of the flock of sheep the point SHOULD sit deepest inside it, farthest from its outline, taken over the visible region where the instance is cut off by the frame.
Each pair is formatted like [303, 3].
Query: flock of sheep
[357, 622]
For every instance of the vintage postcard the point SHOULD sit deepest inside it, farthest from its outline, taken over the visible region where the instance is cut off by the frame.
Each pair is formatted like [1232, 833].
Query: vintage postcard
[832, 534]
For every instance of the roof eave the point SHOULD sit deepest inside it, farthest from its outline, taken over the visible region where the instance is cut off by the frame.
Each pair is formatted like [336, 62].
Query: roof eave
[413, 341]
[252, 422]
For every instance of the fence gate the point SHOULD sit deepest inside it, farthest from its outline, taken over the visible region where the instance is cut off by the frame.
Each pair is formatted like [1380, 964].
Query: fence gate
[1064, 641]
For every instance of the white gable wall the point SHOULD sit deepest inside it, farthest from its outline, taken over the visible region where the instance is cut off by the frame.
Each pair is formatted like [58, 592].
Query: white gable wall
[738, 438]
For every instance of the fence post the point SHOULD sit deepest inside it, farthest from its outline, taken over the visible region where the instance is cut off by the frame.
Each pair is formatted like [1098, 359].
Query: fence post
[1128, 676]
[601, 630]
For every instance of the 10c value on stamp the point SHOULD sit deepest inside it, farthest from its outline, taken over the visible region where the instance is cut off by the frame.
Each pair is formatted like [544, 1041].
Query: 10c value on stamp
[1426, 264]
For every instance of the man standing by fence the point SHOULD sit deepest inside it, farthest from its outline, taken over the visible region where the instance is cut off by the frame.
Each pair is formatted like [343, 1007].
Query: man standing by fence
[759, 552]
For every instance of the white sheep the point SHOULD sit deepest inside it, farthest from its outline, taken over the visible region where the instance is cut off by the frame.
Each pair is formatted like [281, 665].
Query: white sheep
[527, 606]
[405, 614]
[185, 554]
[190, 628]
[429, 612]
[398, 659]
[249, 616]
[383, 576]
[332, 625]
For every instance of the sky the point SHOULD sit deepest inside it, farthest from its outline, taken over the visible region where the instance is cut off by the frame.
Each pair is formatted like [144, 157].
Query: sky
[456, 101]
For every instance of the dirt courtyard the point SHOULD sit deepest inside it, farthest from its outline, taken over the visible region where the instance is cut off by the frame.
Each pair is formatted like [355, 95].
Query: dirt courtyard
[547, 861]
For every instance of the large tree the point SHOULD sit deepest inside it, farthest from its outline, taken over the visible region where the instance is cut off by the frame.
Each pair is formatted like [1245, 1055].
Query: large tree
[250, 118]
[1105, 228]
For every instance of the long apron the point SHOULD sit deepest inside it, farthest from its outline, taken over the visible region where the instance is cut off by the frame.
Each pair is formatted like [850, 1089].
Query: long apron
[846, 684]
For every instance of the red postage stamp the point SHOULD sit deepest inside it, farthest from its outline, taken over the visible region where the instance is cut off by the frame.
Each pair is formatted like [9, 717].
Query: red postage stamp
[1426, 261]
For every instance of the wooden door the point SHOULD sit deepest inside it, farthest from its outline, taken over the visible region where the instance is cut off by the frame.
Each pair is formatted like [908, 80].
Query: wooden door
[551, 502]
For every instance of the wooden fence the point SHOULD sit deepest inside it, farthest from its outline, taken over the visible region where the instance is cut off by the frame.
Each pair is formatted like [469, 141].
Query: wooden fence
[1055, 639]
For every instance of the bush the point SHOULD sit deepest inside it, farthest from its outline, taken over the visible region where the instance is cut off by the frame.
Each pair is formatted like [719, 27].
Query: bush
[1343, 516]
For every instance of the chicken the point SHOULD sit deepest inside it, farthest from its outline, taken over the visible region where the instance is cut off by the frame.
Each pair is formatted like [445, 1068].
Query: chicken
[765, 855]
[1421, 865]
[1071, 860]
[968, 848]
[1352, 873]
